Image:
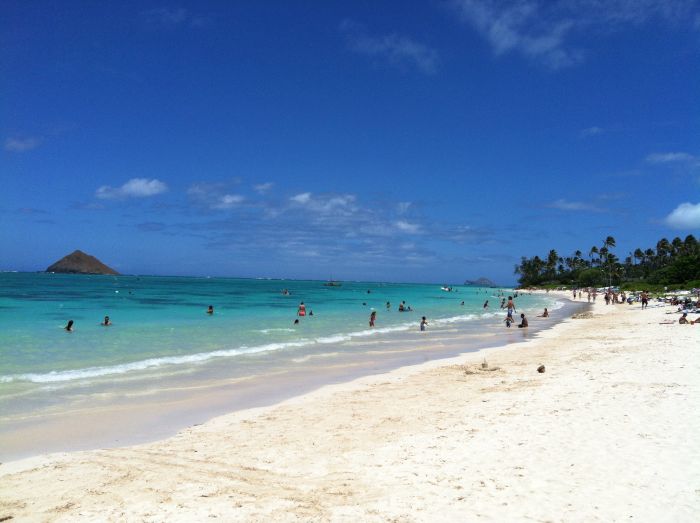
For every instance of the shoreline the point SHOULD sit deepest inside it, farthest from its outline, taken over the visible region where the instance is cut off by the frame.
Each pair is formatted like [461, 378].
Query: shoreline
[125, 416]
[606, 433]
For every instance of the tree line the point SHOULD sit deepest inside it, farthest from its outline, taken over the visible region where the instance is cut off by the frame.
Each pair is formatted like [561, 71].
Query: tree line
[675, 262]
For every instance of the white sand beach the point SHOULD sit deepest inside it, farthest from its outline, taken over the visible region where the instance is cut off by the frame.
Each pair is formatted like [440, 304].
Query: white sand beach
[610, 432]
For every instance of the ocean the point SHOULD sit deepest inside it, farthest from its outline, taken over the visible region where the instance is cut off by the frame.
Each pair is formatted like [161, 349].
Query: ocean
[163, 348]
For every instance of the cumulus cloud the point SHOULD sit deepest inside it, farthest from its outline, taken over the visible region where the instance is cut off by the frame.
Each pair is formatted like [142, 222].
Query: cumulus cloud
[392, 48]
[134, 188]
[302, 198]
[591, 131]
[263, 188]
[685, 216]
[228, 201]
[214, 196]
[565, 205]
[408, 227]
[678, 157]
[543, 30]
[21, 145]
[171, 18]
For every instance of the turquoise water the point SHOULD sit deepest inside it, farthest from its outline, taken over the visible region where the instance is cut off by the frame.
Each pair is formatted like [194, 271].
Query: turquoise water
[162, 341]
[161, 321]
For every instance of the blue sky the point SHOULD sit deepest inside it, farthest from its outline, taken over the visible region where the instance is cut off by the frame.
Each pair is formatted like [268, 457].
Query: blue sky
[405, 141]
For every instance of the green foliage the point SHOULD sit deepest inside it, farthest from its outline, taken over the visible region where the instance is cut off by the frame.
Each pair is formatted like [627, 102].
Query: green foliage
[672, 263]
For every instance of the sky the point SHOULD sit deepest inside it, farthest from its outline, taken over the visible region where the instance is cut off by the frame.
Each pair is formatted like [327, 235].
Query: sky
[414, 141]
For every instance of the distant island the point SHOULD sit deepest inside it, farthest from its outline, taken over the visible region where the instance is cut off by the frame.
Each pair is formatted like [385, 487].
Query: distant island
[79, 262]
[481, 282]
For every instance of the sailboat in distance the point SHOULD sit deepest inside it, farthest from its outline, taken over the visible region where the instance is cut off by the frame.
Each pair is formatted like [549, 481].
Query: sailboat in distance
[332, 283]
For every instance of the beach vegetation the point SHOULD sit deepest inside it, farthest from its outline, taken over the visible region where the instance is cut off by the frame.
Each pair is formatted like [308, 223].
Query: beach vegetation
[673, 262]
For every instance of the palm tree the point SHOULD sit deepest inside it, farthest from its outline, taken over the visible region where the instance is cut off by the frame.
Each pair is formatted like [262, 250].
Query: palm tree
[676, 247]
[594, 250]
[639, 254]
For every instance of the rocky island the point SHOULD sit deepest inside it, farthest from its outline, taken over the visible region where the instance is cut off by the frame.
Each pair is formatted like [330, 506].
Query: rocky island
[79, 262]
[481, 282]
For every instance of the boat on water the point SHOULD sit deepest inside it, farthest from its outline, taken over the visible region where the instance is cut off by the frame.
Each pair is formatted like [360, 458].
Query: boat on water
[332, 283]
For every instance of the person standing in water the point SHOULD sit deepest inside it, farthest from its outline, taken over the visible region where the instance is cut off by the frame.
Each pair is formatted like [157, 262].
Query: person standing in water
[302, 309]
[106, 322]
[372, 317]
[423, 323]
[210, 310]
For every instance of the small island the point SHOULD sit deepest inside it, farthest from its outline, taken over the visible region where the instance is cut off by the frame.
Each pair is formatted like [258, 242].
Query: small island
[481, 282]
[79, 262]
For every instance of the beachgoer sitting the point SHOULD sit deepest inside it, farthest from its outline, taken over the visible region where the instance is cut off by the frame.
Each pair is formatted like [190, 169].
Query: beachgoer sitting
[683, 320]
[545, 314]
[523, 322]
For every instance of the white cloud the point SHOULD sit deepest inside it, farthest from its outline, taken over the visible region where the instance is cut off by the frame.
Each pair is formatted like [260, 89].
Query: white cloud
[591, 131]
[685, 216]
[302, 198]
[670, 158]
[134, 188]
[402, 207]
[20, 145]
[262, 188]
[543, 30]
[393, 48]
[408, 227]
[565, 205]
[228, 201]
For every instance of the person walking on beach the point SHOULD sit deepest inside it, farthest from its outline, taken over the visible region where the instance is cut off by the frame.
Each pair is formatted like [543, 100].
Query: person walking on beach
[423, 324]
[645, 300]
[372, 317]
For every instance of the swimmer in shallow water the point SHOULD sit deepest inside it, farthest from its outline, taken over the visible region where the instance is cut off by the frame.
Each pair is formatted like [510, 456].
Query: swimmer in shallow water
[106, 322]
[523, 322]
[69, 326]
[210, 310]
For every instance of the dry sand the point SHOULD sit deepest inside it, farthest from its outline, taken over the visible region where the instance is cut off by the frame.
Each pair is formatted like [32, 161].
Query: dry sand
[610, 432]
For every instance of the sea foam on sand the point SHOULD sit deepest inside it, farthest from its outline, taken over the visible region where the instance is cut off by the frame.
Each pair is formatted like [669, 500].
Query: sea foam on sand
[608, 433]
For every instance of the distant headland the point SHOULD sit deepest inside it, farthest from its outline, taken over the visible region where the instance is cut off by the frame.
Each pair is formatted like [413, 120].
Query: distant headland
[481, 282]
[79, 262]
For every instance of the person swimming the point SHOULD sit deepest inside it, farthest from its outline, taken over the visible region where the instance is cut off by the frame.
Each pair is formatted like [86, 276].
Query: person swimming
[106, 322]
[388, 305]
[523, 322]
[210, 310]
[69, 326]
[296, 321]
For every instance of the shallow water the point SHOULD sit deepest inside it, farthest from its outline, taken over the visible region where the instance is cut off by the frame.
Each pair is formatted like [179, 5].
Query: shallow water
[163, 348]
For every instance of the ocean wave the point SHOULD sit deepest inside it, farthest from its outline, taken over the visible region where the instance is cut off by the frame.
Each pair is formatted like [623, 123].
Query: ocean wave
[202, 357]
